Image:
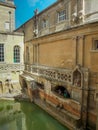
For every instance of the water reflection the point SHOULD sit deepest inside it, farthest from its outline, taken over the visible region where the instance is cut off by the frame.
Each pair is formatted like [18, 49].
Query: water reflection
[11, 116]
[25, 116]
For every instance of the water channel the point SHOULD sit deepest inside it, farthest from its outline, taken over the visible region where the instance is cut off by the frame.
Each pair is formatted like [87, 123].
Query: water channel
[26, 116]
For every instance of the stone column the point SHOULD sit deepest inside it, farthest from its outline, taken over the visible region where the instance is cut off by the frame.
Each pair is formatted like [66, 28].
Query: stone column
[80, 50]
[75, 49]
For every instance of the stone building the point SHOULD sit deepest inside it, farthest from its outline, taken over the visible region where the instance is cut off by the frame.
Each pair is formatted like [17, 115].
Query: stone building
[11, 49]
[61, 60]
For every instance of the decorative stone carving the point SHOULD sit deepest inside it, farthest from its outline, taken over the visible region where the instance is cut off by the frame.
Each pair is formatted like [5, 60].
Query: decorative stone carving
[77, 77]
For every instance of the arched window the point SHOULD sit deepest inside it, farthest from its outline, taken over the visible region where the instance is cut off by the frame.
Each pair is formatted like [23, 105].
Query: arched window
[16, 54]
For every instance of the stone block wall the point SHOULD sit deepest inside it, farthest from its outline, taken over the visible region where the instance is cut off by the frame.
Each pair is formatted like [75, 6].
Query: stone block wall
[7, 17]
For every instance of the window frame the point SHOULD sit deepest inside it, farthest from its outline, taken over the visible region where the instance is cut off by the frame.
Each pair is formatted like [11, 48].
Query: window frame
[7, 25]
[44, 23]
[61, 16]
[94, 47]
[16, 54]
[95, 44]
[2, 57]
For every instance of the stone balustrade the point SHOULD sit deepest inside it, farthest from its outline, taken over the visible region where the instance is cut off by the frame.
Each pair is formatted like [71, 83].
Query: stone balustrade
[63, 75]
[11, 67]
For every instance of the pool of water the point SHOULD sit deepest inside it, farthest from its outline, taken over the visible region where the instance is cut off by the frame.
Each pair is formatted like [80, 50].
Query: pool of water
[26, 116]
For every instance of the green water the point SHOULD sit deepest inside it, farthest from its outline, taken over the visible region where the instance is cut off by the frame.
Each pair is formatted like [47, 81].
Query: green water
[26, 116]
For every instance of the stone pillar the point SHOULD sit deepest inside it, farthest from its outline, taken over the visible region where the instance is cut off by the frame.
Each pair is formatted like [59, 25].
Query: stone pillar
[75, 49]
[29, 90]
[30, 94]
[78, 42]
[80, 50]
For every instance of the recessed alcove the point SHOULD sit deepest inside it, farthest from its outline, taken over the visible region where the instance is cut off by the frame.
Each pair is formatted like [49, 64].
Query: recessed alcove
[61, 91]
[77, 77]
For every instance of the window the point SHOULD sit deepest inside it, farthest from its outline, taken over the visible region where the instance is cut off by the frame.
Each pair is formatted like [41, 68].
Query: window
[1, 52]
[7, 25]
[95, 46]
[61, 15]
[44, 23]
[96, 95]
[16, 54]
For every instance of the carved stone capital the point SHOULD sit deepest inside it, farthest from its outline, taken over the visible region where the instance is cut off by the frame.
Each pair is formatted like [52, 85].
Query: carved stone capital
[81, 37]
[74, 37]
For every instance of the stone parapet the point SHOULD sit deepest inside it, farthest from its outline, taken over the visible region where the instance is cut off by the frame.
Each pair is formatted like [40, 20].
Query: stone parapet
[11, 67]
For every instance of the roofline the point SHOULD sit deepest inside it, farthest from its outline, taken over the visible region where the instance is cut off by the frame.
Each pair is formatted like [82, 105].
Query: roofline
[67, 30]
[11, 33]
[55, 3]
[39, 13]
[7, 5]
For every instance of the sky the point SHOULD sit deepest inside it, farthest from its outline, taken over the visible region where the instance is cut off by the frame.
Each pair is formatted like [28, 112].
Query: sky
[25, 9]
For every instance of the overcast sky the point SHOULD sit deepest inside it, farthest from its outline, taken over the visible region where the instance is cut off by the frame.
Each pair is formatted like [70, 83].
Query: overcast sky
[25, 9]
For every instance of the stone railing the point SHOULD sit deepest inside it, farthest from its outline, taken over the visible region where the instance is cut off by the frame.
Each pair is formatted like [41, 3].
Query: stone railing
[58, 74]
[11, 67]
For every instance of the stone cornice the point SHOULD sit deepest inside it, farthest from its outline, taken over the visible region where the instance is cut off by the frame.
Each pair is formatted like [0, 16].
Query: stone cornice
[93, 13]
[8, 5]
[79, 31]
[11, 33]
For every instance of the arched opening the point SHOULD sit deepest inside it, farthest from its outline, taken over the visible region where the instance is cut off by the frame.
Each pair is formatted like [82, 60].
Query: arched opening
[61, 91]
